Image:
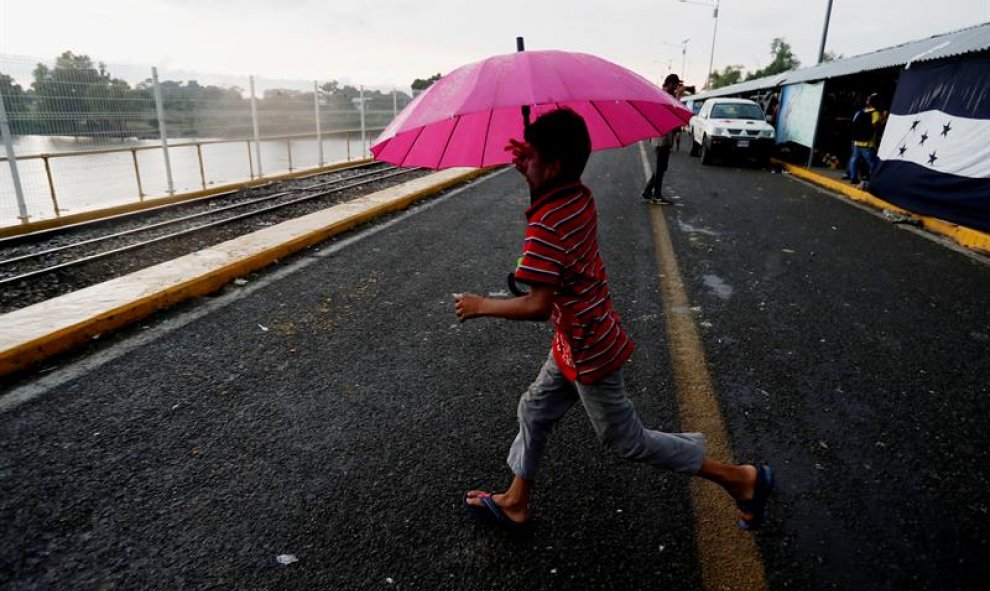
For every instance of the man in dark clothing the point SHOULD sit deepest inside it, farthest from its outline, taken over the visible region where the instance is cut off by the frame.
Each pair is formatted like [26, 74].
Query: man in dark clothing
[674, 87]
[866, 135]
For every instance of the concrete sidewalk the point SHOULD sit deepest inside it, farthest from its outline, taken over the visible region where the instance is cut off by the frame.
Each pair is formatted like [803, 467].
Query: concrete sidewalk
[35, 333]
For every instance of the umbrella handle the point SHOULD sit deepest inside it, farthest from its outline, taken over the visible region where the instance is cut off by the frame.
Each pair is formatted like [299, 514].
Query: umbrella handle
[514, 286]
[521, 46]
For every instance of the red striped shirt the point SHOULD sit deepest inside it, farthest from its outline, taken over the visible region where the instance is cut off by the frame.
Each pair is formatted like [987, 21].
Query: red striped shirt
[561, 249]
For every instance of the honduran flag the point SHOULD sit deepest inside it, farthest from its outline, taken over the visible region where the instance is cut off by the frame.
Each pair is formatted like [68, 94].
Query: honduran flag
[935, 151]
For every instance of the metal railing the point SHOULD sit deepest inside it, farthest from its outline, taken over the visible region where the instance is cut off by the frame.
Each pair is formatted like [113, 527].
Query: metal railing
[133, 150]
[179, 136]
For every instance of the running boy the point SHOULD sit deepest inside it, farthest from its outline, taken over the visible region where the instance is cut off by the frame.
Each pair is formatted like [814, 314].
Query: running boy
[562, 264]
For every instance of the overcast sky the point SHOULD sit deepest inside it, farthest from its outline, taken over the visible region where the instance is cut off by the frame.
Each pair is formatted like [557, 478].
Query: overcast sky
[386, 43]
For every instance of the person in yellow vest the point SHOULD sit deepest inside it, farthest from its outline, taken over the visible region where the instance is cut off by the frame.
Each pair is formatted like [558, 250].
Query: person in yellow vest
[865, 127]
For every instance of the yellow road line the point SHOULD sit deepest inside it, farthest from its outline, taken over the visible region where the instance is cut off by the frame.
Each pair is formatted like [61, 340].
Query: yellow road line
[729, 557]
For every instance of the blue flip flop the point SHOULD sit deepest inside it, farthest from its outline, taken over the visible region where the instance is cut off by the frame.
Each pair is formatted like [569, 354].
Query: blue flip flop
[490, 511]
[757, 506]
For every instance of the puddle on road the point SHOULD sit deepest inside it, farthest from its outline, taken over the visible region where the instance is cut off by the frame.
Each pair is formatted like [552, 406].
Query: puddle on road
[718, 286]
[686, 227]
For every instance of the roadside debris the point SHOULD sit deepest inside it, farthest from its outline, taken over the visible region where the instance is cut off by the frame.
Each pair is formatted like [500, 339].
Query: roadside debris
[286, 558]
[899, 218]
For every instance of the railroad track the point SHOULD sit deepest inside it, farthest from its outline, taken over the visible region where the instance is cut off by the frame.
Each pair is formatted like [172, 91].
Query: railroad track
[46, 264]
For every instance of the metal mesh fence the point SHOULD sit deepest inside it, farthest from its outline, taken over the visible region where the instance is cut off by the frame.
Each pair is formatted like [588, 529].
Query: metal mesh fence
[81, 135]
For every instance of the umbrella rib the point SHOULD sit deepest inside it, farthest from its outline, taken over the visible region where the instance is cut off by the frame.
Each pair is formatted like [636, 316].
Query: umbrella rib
[405, 156]
[645, 118]
[607, 122]
[446, 144]
[484, 145]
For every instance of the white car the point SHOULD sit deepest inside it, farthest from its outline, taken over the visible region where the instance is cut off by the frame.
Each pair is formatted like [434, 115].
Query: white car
[731, 127]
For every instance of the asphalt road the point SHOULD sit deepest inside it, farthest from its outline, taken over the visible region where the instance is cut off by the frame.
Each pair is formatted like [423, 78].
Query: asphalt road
[333, 409]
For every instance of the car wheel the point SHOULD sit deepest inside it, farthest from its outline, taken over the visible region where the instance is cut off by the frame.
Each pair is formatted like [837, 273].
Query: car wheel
[694, 147]
[705, 152]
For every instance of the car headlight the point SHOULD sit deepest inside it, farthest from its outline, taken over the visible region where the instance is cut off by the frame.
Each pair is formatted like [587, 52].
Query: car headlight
[766, 133]
[720, 131]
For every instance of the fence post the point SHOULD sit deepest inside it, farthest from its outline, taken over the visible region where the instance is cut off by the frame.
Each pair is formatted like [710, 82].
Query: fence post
[160, 108]
[137, 174]
[288, 149]
[51, 185]
[257, 135]
[364, 141]
[202, 170]
[316, 107]
[8, 144]
[250, 161]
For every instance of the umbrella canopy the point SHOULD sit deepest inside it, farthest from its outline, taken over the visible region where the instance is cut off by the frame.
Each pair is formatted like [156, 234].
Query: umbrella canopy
[467, 117]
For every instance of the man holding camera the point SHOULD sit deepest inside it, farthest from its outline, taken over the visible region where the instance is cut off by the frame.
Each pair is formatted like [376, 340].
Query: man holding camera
[673, 86]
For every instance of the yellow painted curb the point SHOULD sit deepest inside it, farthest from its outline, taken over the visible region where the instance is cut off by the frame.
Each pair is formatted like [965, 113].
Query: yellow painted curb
[35, 333]
[88, 216]
[967, 237]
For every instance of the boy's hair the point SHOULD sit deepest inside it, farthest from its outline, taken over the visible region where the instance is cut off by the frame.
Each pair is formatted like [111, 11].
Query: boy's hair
[561, 135]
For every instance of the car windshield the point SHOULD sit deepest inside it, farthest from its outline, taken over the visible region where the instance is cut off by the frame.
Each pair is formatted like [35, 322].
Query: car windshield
[736, 111]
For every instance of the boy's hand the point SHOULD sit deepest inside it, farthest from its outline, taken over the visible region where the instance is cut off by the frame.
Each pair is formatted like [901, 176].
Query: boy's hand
[466, 305]
[521, 152]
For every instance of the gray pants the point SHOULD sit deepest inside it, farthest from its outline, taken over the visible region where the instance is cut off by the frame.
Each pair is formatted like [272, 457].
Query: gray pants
[613, 417]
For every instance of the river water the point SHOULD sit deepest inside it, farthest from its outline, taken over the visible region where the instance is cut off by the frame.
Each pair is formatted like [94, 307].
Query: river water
[95, 181]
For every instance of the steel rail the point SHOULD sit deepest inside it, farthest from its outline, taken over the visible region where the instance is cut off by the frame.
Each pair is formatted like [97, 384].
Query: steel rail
[42, 234]
[109, 253]
[179, 220]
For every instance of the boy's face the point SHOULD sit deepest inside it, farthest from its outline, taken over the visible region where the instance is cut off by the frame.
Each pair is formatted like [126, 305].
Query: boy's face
[539, 172]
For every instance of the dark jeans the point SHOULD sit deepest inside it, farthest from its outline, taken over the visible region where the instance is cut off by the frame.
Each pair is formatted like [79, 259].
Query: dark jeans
[656, 180]
[868, 154]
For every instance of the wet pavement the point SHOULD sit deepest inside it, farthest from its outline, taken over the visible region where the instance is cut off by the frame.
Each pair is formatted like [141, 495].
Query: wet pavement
[334, 410]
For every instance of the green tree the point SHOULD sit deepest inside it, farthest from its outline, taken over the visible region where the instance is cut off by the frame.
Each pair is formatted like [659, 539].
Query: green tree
[61, 91]
[343, 107]
[284, 111]
[194, 110]
[419, 84]
[15, 103]
[783, 60]
[727, 77]
[107, 105]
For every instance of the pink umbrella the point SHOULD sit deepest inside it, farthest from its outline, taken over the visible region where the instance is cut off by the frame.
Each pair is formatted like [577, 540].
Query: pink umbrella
[467, 117]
